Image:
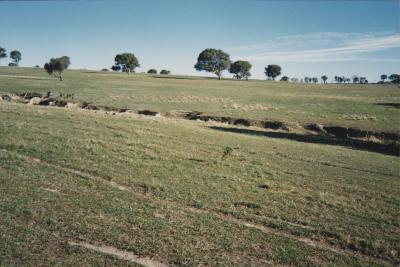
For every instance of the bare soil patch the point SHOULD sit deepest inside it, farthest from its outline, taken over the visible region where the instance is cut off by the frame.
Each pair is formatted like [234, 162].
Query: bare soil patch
[123, 254]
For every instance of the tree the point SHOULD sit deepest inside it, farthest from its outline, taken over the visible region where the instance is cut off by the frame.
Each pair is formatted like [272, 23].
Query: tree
[285, 79]
[3, 53]
[241, 69]
[363, 80]
[324, 78]
[116, 67]
[384, 77]
[213, 60]
[126, 62]
[165, 72]
[394, 78]
[294, 80]
[355, 79]
[57, 66]
[272, 71]
[315, 79]
[152, 71]
[16, 56]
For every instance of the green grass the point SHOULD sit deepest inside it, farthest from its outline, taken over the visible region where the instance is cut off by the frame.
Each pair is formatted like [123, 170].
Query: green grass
[342, 105]
[350, 201]
[192, 188]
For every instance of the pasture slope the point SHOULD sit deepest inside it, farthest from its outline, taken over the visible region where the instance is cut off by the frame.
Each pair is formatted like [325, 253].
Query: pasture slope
[85, 187]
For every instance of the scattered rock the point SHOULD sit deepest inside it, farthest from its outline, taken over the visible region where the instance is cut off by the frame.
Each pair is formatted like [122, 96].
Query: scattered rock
[315, 127]
[72, 105]
[263, 186]
[6, 98]
[30, 95]
[192, 115]
[149, 113]
[35, 101]
[45, 102]
[15, 98]
[243, 122]
[60, 103]
[89, 106]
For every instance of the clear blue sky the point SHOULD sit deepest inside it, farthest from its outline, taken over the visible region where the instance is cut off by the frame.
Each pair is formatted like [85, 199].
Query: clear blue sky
[307, 38]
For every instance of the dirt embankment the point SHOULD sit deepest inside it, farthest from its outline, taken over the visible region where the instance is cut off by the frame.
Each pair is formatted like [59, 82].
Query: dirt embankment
[381, 142]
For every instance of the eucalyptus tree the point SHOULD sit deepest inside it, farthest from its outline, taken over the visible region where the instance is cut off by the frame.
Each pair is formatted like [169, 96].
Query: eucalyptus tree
[273, 71]
[57, 66]
[213, 60]
[240, 69]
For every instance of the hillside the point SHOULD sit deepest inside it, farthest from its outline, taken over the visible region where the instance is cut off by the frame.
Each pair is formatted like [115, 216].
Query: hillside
[86, 187]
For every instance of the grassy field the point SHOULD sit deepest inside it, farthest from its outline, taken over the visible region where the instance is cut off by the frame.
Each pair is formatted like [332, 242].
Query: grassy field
[76, 183]
[367, 107]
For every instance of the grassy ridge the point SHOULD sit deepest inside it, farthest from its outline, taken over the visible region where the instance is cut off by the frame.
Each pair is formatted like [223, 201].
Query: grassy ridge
[326, 193]
[358, 106]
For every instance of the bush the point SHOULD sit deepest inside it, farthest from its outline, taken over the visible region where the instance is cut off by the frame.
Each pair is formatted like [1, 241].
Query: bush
[152, 71]
[165, 72]
[104, 69]
[12, 64]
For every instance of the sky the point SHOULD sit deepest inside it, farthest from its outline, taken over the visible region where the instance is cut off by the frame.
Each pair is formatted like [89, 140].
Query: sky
[306, 38]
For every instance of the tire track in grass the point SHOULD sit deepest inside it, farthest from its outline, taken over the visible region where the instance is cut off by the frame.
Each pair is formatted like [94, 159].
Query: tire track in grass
[122, 254]
[224, 217]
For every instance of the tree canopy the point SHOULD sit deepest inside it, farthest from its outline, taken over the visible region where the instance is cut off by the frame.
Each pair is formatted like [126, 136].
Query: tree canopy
[3, 53]
[395, 78]
[213, 60]
[272, 71]
[165, 72]
[241, 69]
[152, 71]
[16, 56]
[126, 62]
[57, 66]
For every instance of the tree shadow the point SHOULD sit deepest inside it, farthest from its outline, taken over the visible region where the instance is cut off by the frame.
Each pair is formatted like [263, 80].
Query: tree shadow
[387, 149]
[25, 77]
[184, 78]
[394, 105]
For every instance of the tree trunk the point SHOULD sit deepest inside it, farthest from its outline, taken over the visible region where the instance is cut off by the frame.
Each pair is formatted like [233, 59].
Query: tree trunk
[60, 76]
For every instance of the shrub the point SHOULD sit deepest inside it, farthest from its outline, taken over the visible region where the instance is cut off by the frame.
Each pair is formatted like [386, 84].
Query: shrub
[165, 72]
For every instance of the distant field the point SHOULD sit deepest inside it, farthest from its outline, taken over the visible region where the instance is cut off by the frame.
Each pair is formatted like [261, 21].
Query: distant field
[368, 107]
[80, 188]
